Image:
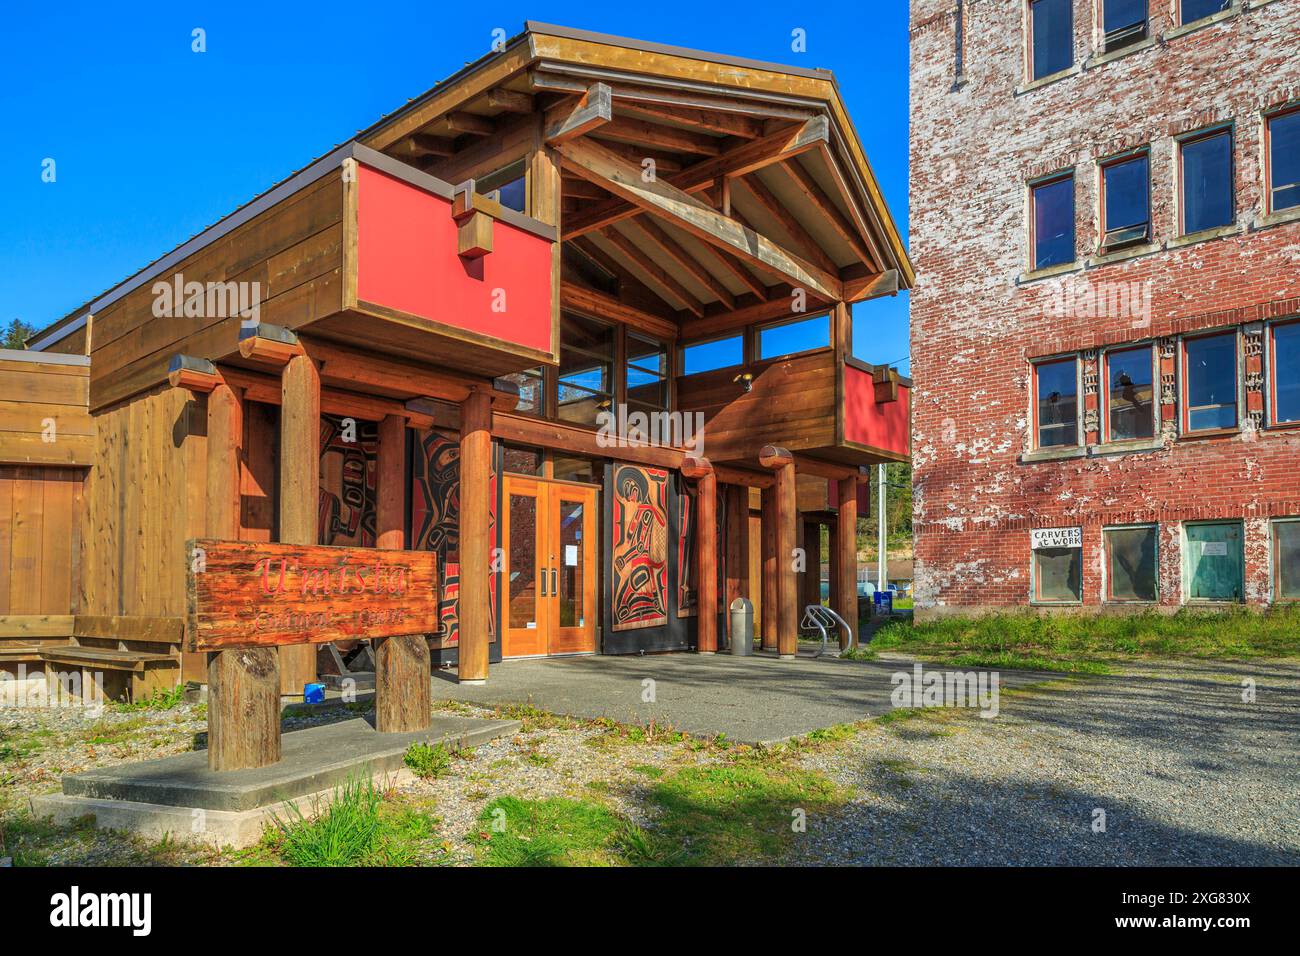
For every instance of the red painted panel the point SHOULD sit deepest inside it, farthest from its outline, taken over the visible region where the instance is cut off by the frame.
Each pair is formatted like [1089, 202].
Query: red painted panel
[878, 425]
[406, 260]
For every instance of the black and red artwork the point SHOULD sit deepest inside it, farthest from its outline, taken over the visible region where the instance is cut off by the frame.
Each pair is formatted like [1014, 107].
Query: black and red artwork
[640, 547]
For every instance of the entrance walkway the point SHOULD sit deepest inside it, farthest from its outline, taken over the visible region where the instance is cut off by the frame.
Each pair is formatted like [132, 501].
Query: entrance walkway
[751, 700]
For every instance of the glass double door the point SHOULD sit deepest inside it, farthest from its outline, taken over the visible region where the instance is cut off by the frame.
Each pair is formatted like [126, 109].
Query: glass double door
[549, 535]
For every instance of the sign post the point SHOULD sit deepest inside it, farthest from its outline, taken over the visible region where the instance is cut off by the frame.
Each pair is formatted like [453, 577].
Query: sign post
[247, 597]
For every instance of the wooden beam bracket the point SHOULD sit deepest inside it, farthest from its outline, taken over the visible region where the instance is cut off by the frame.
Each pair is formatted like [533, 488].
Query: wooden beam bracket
[273, 344]
[195, 374]
[595, 108]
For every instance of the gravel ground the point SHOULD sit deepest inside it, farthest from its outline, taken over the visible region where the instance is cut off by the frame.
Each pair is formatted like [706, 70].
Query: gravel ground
[1185, 772]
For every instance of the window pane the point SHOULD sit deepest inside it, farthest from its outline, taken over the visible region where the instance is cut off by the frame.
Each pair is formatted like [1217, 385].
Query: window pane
[1212, 382]
[1194, 10]
[1130, 397]
[647, 354]
[523, 561]
[1058, 574]
[1058, 406]
[1054, 223]
[1131, 564]
[521, 461]
[1053, 30]
[1286, 373]
[589, 335]
[1284, 160]
[814, 333]
[1213, 561]
[507, 186]
[710, 355]
[1286, 558]
[1124, 13]
[1207, 183]
[530, 390]
[1127, 186]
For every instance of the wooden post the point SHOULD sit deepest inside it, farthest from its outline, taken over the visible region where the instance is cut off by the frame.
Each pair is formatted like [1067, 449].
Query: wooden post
[787, 513]
[475, 544]
[812, 576]
[844, 585]
[706, 553]
[403, 698]
[771, 594]
[737, 536]
[299, 490]
[243, 685]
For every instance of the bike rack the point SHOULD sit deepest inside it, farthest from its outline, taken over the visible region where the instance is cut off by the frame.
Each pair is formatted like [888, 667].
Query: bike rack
[818, 617]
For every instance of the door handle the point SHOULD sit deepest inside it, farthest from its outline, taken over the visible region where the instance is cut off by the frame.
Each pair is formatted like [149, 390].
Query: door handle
[554, 589]
[542, 573]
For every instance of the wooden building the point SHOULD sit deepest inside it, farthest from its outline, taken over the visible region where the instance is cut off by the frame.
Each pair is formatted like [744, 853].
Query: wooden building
[416, 340]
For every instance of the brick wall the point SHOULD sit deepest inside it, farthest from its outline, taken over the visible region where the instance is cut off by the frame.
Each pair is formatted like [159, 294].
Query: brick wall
[976, 139]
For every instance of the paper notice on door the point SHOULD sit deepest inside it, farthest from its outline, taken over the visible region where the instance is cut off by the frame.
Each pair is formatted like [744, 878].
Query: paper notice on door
[531, 625]
[571, 555]
[1217, 549]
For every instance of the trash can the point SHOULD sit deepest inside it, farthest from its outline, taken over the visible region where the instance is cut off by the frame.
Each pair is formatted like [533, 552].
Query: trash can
[742, 627]
[884, 602]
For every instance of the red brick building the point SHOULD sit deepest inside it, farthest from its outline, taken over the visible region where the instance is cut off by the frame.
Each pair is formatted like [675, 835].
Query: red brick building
[1105, 219]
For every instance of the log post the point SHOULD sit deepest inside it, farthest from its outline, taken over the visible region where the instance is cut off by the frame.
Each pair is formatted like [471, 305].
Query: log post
[403, 698]
[844, 585]
[243, 685]
[771, 594]
[299, 490]
[787, 514]
[736, 533]
[475, 543]
[706, 552]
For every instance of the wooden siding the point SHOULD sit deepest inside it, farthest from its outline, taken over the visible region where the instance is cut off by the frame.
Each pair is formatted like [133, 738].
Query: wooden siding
[40, 512]
[294, 250]
[32, 393]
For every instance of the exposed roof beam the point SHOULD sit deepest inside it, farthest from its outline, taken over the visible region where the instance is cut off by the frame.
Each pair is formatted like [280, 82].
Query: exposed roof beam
[639, 132]
[781, 306]
[877, 260]
[593, 110]
[728, 124]
[654, 234]
[460, 123]
[871, 286]
[803, 240]
[658, 277]
[580, 298]
[752, 156]
[422, 144]
[509, 101]
[658, 197]
[818, 199]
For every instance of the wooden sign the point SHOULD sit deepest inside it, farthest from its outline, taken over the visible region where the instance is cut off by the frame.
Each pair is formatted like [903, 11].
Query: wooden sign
[251, 594]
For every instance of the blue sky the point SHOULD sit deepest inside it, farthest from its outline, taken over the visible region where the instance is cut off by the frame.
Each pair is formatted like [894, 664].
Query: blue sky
[152, 142]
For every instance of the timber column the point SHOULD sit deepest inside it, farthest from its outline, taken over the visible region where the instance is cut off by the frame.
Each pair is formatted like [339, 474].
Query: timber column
[706, 554]
[475, 543]
[243, 683]
[844, 582]
[299, 490]
[736, 533]
[402, 694]
[771, 594]
[787, 514]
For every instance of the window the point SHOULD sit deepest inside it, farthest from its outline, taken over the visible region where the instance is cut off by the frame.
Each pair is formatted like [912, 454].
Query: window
[1058, 575]
[1131, 563]
[1286, 559]
[801, 335]
[1124, 22]
[586, 363]
[1207, 181]
[1284, 372]
[1057, 403]
[531, 391]
[1053, 222]
[508, 186]
[1051, 30]
[521, 460]
[1210, 382]
[1126, 206]
[1193, 10]
[1284, 161]
[718, 353]
[1130, 395]
[1212, 561]
[647, 374]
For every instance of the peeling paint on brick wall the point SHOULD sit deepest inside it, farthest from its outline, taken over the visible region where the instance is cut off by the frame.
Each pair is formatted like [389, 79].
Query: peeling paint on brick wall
[977, 323]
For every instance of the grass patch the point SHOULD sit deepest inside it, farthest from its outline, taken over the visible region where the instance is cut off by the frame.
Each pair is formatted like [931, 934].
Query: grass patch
[427, 761]
[552, 832]
[359, 828]
[114, 732]
[1085, 643]
[648, 770]
[859, 652]
[158, 700]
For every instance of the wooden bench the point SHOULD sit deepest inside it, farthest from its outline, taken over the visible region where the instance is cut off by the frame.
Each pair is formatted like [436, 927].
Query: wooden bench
[23, 635]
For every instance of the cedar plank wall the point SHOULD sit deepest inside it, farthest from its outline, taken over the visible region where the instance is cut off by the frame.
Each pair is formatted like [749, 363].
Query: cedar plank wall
[794, 398]
[294, 250]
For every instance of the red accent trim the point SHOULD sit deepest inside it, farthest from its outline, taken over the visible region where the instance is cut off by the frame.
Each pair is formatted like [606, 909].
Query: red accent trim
[866, 422]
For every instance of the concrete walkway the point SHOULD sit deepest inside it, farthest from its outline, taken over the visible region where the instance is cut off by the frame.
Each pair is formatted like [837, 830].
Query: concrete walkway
[750, 699]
